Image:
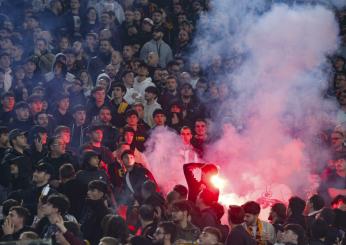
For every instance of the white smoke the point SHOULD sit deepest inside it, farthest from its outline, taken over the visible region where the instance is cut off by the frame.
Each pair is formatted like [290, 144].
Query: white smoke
[279, 104]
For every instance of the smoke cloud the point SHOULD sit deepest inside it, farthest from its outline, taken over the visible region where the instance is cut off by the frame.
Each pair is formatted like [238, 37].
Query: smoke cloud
[277, 108]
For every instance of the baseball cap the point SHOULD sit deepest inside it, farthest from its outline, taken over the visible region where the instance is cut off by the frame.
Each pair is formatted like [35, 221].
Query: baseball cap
[14, 133]
[44, 167]
[148, 20]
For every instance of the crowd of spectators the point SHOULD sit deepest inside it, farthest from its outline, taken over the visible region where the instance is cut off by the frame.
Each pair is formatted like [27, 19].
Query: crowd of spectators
[84, 83]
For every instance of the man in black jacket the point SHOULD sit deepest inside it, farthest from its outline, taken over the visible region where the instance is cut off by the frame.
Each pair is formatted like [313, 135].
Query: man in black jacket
[57, 156]
[18, 142]
[15, 224]
[94, 211]
[134, 178]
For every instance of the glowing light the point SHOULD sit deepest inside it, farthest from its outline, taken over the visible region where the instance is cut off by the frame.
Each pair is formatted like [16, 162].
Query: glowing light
[218, 182]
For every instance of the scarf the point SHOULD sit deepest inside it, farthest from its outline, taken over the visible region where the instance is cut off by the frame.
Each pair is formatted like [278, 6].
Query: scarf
[259, 232]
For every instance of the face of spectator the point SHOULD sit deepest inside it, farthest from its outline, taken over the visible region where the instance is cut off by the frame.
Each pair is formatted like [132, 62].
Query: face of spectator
[206, 238]
[19, 74]
[195, 69]
[92, 15]
[20, 141]
[8, 103]
[23, 114]
[105, 19]
[99, 96]
[127, 52]
[340, 165]
[79, 117]
[159, 236]
[15, 219]
[97, 135]
[186, 136]
[186, 91]
[137, 15]
[178, 215]
[70, 59]
[183, 36]
[129, 79]
[43, 120]
[140, 110]
[95, 194]
[105, 34]
[64, 104]
[116, 58]
[41, 45]
[5, 62]
[105, 46]
[40, 177]
[31, 23]
[341, 96]
[272, 216]
[111, 70]
[174, 70]
[157, 18]
[104, 83]
[128, 160]
[157, 35]
[65, 136]
[30, 67]
[94, 161]
[129, 16]
[289, 236]
[91, 41]
[63, 44]
[4, 139]
[6, 44]
[340, 81]
[250, 219]
[128, 137]
[132, 120]
[36, 106]
[337, 140]
[74, 4]
[59, 146]
[43, 137]
[48, 209]
[160, 119]
[117, 93]
[105, 116]
[200, 128]
[149, 96]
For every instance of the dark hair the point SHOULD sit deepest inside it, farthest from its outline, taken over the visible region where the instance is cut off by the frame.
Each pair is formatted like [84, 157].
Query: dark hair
[127, 152]
[115, 226]
[182, 206]
[317, 202]
[7, 205]
[299, 231]
[181, 190]
[149, 186]
[170, 228]
[236, 214]
[21, 212]
[66, 171]
[280, 210]
[214, 231]
[296, 204]
[61, 128]
[119, 85]
[147, 212]
[60, 202]
[251, 207]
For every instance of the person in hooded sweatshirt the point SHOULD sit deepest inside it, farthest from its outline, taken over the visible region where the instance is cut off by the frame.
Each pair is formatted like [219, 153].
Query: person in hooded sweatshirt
[91, 169]
[94, 211]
